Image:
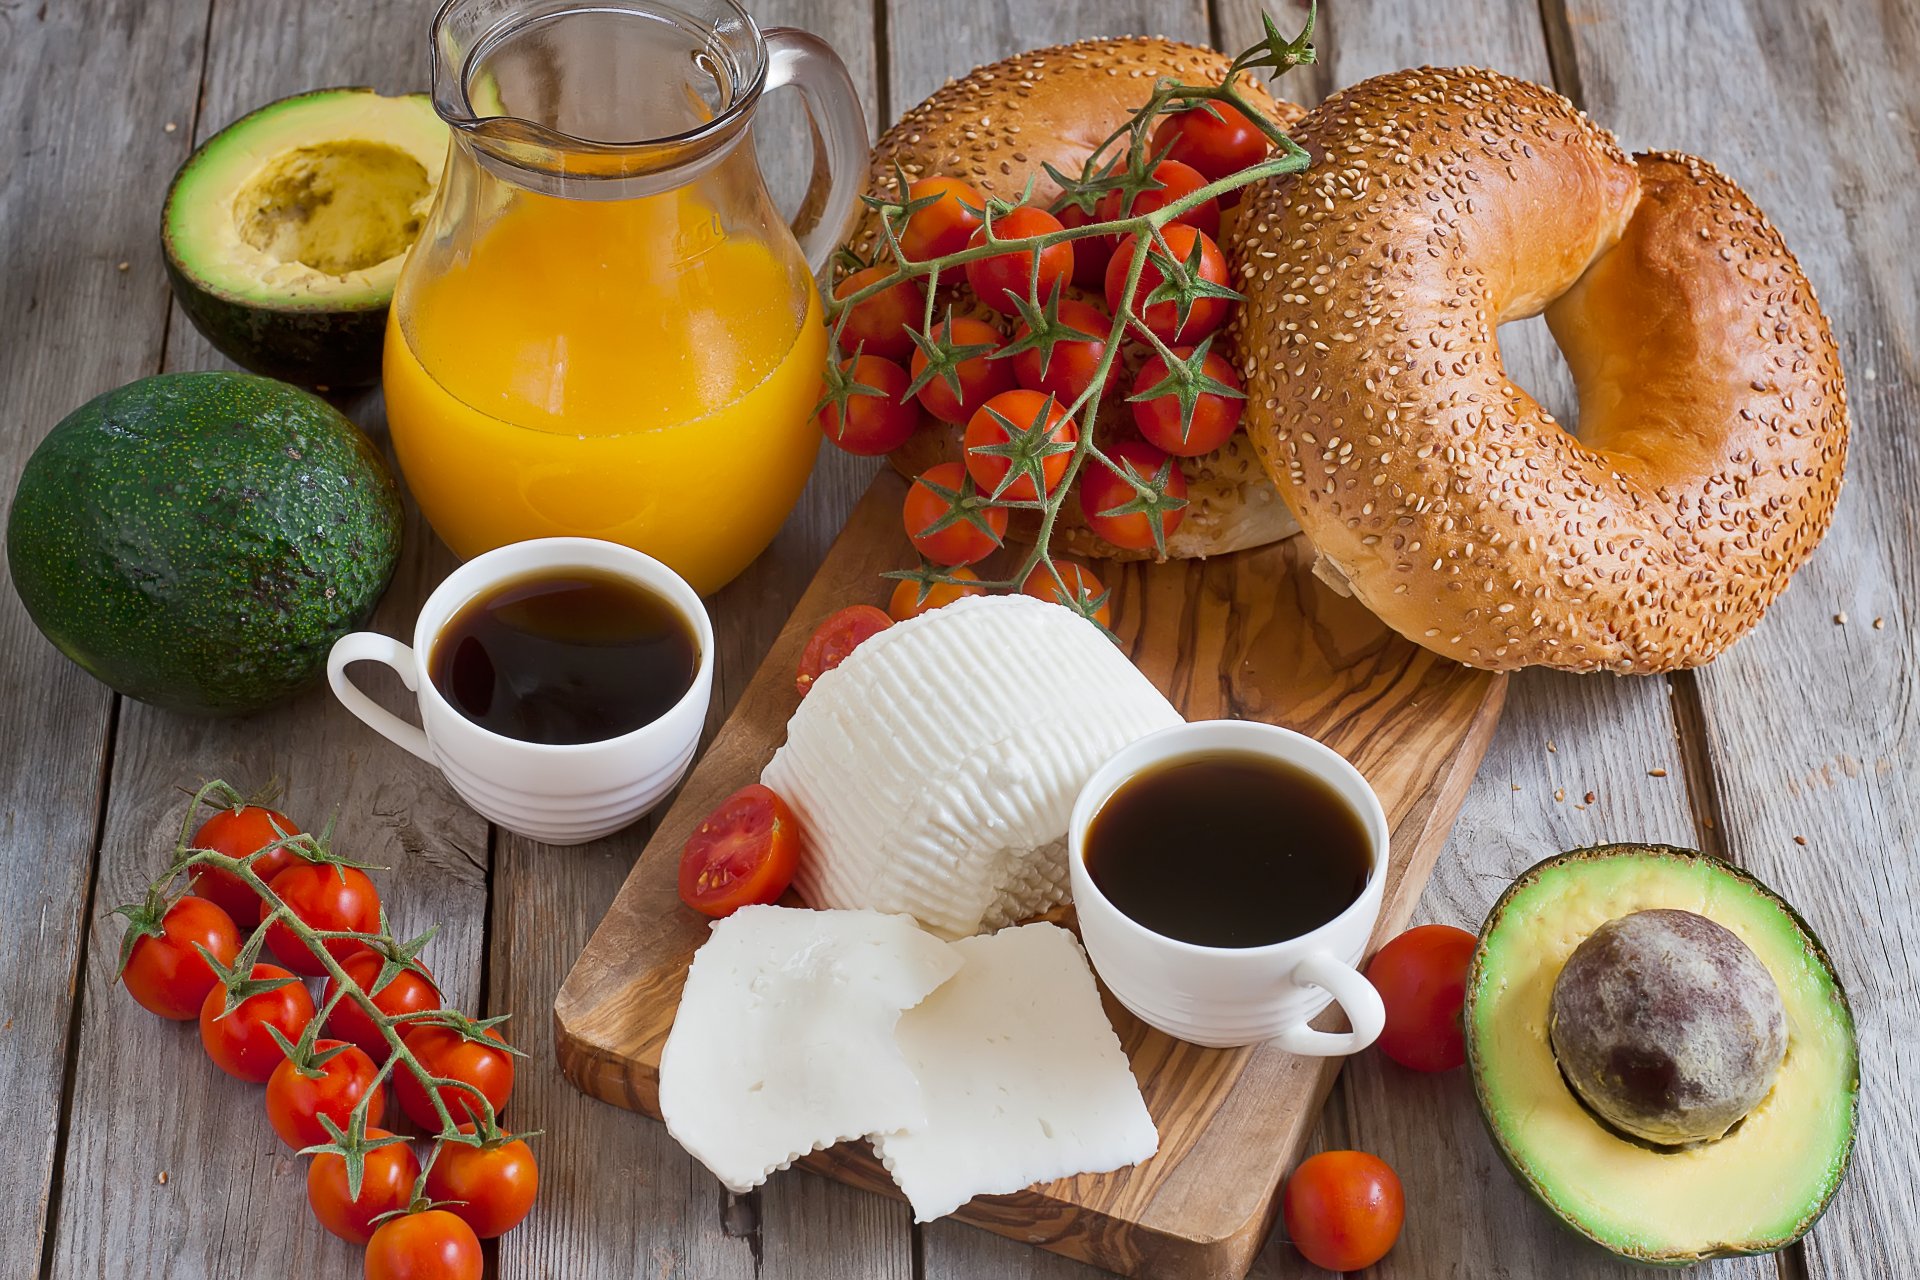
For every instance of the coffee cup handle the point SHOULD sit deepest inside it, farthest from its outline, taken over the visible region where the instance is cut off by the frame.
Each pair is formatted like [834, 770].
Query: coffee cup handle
[371, 646]
[1356, 998]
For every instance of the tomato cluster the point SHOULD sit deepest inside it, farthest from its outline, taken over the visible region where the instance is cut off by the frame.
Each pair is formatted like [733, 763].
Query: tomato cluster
[329, 1068]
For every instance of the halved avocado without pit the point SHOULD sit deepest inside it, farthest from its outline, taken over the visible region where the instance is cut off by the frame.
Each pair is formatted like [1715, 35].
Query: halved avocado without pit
[284, 234]
[1756, 1189]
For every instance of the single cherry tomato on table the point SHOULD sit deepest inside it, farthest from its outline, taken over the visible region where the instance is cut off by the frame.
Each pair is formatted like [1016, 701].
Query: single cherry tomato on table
[1080, 584]
[1090, 253]
[944, 226]
[872, 424]
[239, 1042]
[1215, 138]
[1103, 492]
[323, 896]
[1040, 421]
[946, 517]
[452, 1054]
[998, 279]
[1177, 182]
[490, 1188]
[834, 639]
[1343, 1209]
[386, 1185]
[1422, 979]
[881, 325]
[238, 833]
[911, 599]
[1067, 370]
[430, 1245]
[165, 972]
[1215, 417]
[981, 378]
[409, 991]
[1206, 313]
[296, 1101]
[743, 853]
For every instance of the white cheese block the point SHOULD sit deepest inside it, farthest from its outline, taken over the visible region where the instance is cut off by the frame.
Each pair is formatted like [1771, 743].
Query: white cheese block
[1024, 1078]
[933, 772]
[784, 1039]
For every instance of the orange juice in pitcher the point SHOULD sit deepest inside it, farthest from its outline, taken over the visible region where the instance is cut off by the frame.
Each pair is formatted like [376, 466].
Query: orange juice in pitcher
[606, 330]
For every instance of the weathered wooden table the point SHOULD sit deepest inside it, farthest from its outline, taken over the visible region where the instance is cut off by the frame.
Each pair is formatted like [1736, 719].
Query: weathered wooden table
[127, 1154]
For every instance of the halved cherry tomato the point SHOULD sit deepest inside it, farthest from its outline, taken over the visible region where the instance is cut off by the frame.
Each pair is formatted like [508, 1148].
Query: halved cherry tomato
[432, 1244]
[835, 638]
[1343, 1209]
[744, 852]
[453, 1055]
[944, 226]
[981, 378]
[993, 427]
[1163, 318]
[1102, 491]
[323, 896]
[1215, 417]
[1090, 253]
[1215, 138]
[963, 539]
[239, 1042]
[238, 833]
[880, 325]
[1080, 584]
[1422, 979]
[998, 279]
[408, 992]
[1069, 368]
[167, 974]
[1177, 181]
[911, 599]
[295, 1101]
[872, 425]
[385, 1186]
[491, 1189]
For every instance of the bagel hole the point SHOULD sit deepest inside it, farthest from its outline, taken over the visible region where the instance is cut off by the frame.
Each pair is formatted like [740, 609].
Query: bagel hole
[1534, 364]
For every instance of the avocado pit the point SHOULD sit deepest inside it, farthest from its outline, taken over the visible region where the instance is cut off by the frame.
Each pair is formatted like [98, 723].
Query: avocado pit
[338, 206]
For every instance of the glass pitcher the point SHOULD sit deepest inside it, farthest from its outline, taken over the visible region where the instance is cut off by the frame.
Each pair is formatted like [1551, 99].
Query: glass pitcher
[605, 328]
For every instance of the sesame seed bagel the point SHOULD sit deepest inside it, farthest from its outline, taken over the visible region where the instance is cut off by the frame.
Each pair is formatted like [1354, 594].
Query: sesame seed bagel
[995, 127]
[1713, 422]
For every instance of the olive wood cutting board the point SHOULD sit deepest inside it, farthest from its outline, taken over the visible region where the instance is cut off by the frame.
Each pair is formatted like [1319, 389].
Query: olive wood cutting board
[1252, 635]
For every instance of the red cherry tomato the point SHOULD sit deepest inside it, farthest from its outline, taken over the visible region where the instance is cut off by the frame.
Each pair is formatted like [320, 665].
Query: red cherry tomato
[239, 1043]
[238, 833]
[872, 425]
[962, 541]
[1090, 253]
[981, 378]
[295, 1102]
[1068, 370]
[744, 852]
[1215, 138]
[1102, 491]
[1177, 181]
[385, 1186]
[1215, 417]
[998, 279]
[911, 599]
[1080, 584]
[988, 429]
[491, 1189]
[831, 642]
[1422, 979]
[880, 326]
[944, 226]
[323, 896]
[448, 1053]
[430, 1245]
[1203, 317]
[167, 974]
[1343, 1209]
[408, 992]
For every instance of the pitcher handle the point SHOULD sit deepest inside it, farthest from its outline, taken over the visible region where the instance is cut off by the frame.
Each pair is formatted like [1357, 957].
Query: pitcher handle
[1356, 997]
[805, 61]
[371, 646]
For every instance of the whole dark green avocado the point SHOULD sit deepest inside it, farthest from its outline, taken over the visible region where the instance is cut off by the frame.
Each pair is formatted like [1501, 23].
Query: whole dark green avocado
[199, 540]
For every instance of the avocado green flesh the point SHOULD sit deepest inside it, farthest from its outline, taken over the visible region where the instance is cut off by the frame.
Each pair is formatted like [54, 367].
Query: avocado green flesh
[1753, 1191]
[199, 541]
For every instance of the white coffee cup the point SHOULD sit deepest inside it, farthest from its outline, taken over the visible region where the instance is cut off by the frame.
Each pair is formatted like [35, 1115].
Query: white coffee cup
[1228, 996]
[555, 794]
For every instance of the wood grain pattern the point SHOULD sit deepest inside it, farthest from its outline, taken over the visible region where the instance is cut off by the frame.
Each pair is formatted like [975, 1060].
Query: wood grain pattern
[1251, 635]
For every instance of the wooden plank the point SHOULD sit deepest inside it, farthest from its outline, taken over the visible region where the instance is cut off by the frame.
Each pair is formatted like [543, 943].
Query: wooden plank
[618, 1193]
[244, 1213]
[1811, 723]
[86, 310]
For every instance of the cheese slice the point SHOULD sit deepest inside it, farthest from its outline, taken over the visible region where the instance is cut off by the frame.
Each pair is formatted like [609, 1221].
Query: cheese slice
[933, 772]
[1024, 1078]
[784, 1039]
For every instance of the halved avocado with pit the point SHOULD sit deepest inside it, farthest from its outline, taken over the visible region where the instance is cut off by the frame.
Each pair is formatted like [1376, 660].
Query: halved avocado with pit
[284, 234]
[1757, 1189]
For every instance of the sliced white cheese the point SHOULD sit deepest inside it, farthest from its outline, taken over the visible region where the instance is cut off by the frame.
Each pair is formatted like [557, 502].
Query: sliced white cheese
[1024, 1078]
[933, 771]
[784, 1039]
